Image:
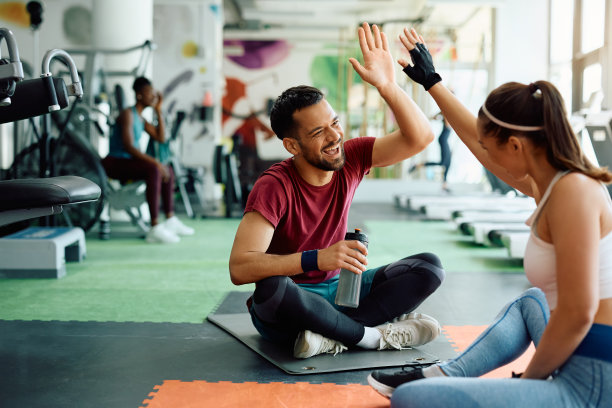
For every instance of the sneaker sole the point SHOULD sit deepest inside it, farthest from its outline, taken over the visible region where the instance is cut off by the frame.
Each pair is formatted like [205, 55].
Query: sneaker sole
[379, 387]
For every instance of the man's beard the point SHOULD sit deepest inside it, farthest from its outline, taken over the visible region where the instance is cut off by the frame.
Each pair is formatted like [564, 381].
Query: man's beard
[319, 162]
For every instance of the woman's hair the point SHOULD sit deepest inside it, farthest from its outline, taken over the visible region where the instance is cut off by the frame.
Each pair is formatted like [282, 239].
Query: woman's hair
[518, 109]
[291, 100]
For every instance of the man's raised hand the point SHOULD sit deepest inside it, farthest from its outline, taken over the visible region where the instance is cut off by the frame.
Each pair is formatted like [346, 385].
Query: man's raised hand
[377, 68]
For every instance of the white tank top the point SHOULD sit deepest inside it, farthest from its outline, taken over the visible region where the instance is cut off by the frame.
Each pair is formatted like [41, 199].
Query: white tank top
[540, 263]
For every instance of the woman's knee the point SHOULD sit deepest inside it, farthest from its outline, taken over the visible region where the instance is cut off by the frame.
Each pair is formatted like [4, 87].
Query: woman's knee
[534, 293]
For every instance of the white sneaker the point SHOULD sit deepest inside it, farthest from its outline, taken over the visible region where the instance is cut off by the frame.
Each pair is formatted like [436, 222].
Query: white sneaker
[413, 329]
[175, 225]
[308, 344]
[160, 234]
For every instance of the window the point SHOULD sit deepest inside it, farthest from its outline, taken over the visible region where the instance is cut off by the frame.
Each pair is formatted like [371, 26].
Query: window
[593, 25]
[591, 84]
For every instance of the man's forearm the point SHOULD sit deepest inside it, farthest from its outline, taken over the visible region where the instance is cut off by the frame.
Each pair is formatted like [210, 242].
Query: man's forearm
[411, 121]
[255, 266]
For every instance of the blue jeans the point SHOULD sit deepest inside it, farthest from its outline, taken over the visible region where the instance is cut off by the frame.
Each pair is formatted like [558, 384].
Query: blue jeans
[581, 382]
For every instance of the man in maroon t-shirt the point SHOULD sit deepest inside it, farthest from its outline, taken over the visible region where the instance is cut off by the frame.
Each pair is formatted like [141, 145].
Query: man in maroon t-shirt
[291, 244]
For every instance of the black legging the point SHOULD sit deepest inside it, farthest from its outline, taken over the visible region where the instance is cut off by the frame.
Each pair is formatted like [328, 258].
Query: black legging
[399, 287]
[445, 152]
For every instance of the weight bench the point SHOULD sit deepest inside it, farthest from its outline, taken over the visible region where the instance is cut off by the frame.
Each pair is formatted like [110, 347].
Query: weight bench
[42, 251]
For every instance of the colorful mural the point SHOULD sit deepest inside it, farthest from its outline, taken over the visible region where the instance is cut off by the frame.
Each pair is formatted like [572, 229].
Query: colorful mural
[259, 54]
[15, 12]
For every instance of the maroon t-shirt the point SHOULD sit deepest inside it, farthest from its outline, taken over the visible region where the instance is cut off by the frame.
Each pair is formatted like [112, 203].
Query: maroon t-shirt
[309, 217]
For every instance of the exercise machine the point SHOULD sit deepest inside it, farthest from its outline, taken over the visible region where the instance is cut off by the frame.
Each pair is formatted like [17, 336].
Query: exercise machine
[42, 252]
[39, 252]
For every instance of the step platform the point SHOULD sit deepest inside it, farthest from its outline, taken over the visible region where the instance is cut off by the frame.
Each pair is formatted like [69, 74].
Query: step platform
[41, 252]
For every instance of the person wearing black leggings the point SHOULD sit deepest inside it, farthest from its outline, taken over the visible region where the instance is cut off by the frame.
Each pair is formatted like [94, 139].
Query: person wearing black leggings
[291, 240]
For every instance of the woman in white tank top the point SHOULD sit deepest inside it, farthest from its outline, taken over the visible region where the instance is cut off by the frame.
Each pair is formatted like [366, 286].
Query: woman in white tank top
[522, 135]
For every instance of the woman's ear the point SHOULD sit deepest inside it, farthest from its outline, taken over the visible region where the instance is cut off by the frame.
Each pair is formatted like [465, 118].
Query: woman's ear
[515, 144]
[291, 145]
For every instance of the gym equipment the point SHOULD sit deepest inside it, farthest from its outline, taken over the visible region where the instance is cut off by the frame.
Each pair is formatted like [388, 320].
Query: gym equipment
[226, 173]
[443, 208]
[516, 242]
[239, 325]
[481, 230]
[53, 248]
[479, 222]
[73, 151]
[11, 70]
[39, 197]
[30, 198]
[599, 128]
[65, 154]
[165, 153]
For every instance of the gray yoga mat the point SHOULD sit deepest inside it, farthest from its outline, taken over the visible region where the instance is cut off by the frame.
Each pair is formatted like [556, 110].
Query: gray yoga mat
[239, 325]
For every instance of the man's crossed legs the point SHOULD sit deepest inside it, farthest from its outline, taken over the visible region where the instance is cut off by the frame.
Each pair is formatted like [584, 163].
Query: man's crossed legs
[283, 311]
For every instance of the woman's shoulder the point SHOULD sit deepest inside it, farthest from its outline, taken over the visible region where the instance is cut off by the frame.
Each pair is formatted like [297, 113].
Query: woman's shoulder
[580, 188]
[576, 182]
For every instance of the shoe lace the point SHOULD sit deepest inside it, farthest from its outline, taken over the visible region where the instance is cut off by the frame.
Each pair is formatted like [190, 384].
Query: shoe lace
[397, 336]
[333, 346]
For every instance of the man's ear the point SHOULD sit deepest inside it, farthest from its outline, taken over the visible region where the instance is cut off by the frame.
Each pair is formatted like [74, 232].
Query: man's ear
[291, 145]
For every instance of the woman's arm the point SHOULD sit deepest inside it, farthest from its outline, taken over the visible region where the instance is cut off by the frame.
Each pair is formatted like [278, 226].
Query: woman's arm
[576, 241]
[463, 122]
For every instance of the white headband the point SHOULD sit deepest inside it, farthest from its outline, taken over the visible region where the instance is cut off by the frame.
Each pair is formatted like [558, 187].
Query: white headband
[509, 125]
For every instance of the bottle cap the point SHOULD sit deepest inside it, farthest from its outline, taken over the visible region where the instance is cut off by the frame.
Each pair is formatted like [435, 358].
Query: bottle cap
[357, 235]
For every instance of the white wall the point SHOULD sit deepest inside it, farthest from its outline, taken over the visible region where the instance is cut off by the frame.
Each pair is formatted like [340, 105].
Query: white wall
[51, 32]
[521, 35]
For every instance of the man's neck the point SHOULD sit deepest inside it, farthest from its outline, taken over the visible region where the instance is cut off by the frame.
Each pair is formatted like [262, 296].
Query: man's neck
[310, 174]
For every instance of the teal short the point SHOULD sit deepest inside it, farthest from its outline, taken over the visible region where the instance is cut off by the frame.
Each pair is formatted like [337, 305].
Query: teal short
[327, 289]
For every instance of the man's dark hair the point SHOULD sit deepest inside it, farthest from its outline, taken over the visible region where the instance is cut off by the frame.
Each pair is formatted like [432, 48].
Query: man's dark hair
[140, 83]
[293, 99]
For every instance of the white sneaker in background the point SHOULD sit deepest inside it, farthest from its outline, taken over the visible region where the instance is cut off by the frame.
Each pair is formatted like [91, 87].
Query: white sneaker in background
[173, 224]
[413, 329]
[160, 234]
[308, 344]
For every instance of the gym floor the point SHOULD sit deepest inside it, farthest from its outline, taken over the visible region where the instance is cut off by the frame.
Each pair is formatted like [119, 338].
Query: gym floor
[127, 326]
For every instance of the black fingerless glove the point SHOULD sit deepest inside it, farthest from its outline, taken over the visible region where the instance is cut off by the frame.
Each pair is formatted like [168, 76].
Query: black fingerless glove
[423, 70]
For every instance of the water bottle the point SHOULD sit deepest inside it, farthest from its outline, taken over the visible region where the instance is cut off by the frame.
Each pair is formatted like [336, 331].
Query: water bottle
[349, 285]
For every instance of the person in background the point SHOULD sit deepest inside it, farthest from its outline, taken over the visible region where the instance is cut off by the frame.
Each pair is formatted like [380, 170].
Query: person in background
[445, 154]
[125, 161]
